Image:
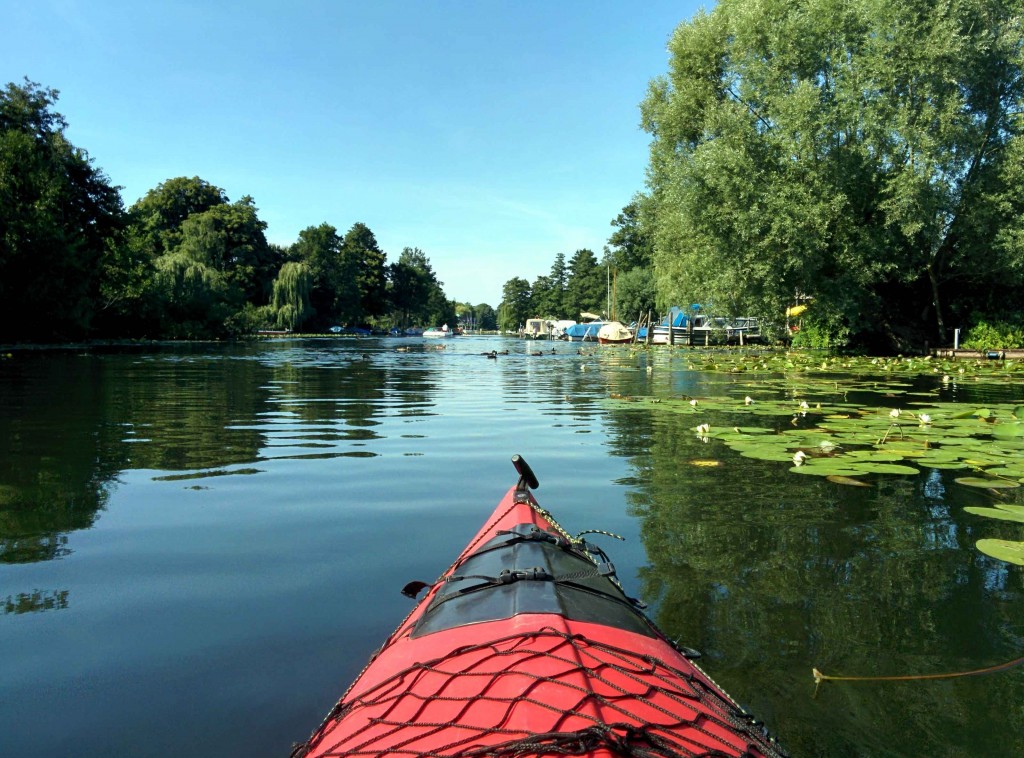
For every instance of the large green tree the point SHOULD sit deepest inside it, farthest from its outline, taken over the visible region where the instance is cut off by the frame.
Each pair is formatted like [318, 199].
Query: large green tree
[158, 216]
[411, 283]
[586, 288]
[199, 258]
[863, 152]
[59, 221]
[549, 291]
[635, 294]
[333, 288]
[249, 262]
[516, 304]
[546, 299]
[630, 246]
[486, 318]
[369, 261]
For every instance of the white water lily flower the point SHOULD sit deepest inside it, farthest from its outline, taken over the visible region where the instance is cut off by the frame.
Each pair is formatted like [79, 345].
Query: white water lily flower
[703, 428]
[748, 400]
[693, 402]
[945, 378]
[895, 413]
[798, 457]
[804, 405]
[925, 418]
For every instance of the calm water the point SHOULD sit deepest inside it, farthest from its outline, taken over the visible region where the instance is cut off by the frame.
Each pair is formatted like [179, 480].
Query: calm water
[200, 546]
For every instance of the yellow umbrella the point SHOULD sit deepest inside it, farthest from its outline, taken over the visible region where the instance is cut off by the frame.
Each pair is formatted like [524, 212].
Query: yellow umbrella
[796, 310]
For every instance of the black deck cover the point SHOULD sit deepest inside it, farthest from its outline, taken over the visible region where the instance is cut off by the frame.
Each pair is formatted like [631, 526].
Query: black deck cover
[529, 571]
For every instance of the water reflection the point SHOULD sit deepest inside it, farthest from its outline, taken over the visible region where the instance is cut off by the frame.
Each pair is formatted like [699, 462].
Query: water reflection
[74, 421]
[56, 458]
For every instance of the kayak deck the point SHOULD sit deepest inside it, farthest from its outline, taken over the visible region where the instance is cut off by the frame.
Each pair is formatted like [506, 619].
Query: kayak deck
[527, 646]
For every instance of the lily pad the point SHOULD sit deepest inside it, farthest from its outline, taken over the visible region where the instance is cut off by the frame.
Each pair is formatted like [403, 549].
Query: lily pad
[1007, 431]
[998, 513]
[1004, 550]
[974, 413]
[876, 456]
[767, 453]
[1012, 471]
[885, 468]
[944, 465]
[990, 484]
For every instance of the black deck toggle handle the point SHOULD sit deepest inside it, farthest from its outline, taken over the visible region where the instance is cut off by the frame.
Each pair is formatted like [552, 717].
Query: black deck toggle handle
[526, 475]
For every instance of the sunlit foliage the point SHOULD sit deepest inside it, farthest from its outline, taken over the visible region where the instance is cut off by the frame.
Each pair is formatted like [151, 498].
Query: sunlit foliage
[866, 153]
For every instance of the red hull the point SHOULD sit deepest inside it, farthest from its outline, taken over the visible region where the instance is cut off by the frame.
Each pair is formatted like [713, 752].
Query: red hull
[532, 683]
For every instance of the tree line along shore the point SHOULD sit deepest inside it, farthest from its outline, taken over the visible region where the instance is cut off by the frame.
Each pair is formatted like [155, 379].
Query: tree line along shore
[863, 160]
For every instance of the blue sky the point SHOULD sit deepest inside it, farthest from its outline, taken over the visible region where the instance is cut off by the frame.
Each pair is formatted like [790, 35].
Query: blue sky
[491, 135]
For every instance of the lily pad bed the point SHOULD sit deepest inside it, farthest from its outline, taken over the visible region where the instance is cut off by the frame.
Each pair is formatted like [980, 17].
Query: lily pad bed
[844, 442]
[846, 439]
[819, 367]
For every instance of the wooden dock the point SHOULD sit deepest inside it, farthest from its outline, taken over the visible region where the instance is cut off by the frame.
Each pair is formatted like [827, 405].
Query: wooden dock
[979, 355]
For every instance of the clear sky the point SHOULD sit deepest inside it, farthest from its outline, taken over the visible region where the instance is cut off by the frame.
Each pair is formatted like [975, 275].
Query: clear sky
[491, 135]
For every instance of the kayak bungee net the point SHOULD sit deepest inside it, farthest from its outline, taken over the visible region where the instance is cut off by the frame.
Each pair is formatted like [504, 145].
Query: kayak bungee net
[528, 646]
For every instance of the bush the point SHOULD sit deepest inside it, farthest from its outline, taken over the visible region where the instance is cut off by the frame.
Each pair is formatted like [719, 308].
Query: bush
[998, 335]
[819, 336]
[249, 320]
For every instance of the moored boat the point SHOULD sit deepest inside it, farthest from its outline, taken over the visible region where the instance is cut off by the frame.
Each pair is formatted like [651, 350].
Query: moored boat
[439, 331]
[528, 646]
[614, 333]
[538, 328]
[585, 331]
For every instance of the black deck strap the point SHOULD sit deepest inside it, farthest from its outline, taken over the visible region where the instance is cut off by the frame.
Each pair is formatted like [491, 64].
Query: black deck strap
[536, 534]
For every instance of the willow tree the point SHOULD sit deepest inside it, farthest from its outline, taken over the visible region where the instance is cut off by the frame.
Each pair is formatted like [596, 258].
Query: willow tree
[291, 298]
[195, 294]
[860, 151]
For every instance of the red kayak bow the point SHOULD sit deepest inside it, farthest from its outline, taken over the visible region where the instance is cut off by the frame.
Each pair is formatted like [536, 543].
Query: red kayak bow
[528, 646]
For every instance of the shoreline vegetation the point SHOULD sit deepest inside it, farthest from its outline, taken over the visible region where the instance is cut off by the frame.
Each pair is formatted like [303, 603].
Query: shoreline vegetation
[863, 164]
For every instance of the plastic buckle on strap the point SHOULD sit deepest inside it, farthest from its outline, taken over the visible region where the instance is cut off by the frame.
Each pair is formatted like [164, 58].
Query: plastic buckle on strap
[507, 576]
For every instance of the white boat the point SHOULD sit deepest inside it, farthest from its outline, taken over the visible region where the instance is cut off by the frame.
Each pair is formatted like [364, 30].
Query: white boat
[679, 327]
[538, 329]
[439, 331]
[702, 329]
[614, 333]
[743, 330]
